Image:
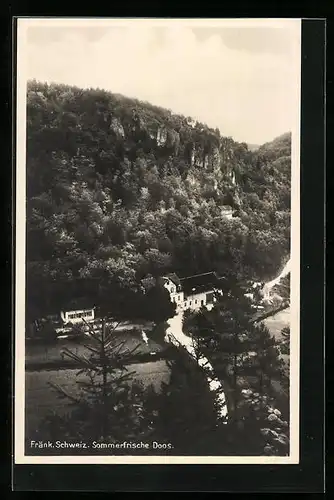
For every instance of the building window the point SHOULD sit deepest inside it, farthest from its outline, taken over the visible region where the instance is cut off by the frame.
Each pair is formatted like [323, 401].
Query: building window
[190, 303]
[202, 302]
[195, 301]
[83, 314]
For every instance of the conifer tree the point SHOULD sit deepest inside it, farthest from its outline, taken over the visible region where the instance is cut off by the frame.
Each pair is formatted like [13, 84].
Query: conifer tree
[285, 341]
[108, 405]
[239, 349]
[188, 417]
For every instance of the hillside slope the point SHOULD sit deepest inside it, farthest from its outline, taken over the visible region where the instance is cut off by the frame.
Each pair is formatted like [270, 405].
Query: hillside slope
[119, 191]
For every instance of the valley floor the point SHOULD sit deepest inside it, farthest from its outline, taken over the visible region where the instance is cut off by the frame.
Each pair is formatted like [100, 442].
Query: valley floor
[41, 399]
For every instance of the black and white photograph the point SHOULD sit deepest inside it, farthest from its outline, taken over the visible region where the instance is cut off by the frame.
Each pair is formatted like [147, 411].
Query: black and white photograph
[157, 241]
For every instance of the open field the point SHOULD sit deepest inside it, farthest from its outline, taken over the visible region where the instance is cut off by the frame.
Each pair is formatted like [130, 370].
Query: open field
[42, 399]
[43, 353]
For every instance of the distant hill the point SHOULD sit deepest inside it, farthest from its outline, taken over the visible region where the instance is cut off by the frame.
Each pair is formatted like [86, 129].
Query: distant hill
[120, 191]
[280, 146]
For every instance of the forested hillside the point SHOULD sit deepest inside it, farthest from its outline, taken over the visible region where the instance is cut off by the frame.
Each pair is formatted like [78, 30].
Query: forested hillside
[119, 191]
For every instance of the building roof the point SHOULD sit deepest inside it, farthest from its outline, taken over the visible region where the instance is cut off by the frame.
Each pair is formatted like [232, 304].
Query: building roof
[173, 277]
[200, 282]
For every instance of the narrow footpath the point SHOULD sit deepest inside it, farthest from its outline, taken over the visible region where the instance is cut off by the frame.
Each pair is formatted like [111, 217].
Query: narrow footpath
[176, 336]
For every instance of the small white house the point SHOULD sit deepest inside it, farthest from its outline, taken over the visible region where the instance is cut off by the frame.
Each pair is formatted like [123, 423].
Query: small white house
[77, 316]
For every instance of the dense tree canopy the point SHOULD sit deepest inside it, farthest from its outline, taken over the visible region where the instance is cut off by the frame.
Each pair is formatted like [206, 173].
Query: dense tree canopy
[246, 357]
[120, 192]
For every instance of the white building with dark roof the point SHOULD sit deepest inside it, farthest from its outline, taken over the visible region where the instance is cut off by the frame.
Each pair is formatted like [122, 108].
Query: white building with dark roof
[193, 292]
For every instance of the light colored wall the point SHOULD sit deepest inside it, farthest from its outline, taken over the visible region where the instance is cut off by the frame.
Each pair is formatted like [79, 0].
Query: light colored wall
[178, 298]
[171, 287]
[193, 302]
[66, 315]
[175, 296]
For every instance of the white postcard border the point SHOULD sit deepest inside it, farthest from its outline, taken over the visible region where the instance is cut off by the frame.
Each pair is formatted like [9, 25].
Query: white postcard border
[20, 246]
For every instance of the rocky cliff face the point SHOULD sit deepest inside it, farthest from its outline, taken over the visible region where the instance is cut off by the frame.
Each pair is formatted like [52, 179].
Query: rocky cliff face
[197, 146]
[117, 127]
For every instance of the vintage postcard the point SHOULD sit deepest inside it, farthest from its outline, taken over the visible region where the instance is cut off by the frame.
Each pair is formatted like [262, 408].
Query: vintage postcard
[157, 241]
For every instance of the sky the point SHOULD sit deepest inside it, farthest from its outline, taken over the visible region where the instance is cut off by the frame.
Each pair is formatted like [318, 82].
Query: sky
[241, 79]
